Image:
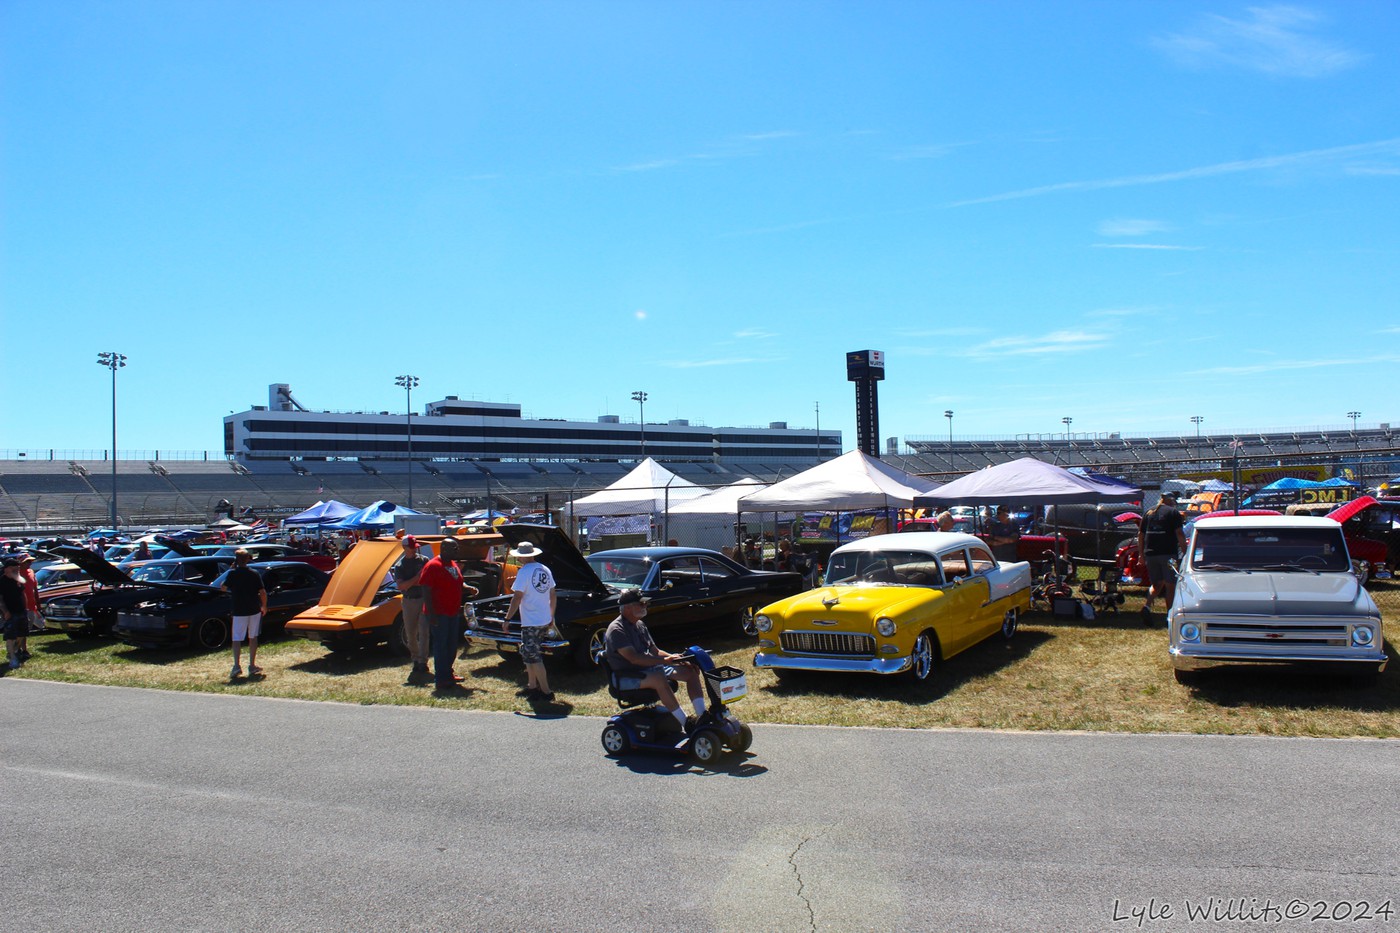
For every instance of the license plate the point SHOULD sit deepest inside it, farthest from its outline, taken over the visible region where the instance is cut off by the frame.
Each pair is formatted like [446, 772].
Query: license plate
[142, 623]
[506, 646]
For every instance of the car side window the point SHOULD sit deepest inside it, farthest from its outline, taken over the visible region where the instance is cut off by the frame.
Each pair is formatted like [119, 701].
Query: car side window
[678, 571]
[954, 564]
[982, 560]
[714, 570]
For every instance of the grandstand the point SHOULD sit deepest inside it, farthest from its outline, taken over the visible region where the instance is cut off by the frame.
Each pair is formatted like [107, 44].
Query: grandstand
[1153, 458]
[60, 495]
[57, 494]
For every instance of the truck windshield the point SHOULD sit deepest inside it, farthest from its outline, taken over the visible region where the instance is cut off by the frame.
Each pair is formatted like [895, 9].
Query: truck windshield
[1320, 549]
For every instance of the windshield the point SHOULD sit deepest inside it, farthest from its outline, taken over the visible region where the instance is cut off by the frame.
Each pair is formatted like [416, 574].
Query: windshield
[1269, 549]
[910, 568]
[156, 571]
[621, 571]
[52, 576]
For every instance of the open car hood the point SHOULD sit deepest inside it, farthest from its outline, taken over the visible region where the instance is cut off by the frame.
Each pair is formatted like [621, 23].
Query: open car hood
[571, 571]
[95, 566]
[176, 546]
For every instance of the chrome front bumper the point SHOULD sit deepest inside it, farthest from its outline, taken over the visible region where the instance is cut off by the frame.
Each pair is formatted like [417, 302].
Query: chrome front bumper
[839, 665]
[1197, 657]
[510, 641]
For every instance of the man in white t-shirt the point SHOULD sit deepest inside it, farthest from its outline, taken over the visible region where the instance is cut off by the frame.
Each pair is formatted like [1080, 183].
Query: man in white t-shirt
[534, 598]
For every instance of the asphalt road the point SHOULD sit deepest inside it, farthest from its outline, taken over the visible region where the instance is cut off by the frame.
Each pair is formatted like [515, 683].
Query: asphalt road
[145, 810]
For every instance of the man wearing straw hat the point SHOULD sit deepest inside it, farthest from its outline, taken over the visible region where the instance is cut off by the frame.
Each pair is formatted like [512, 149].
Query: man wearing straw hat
[534, 598]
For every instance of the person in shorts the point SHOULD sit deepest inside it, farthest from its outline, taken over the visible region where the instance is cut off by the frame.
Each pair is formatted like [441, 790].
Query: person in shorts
[639, 664]
[1160, 538]
[533, 597]
[415, 625]
[249, 602]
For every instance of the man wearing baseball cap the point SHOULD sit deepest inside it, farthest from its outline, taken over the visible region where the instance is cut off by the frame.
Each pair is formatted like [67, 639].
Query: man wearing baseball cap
[639, 664]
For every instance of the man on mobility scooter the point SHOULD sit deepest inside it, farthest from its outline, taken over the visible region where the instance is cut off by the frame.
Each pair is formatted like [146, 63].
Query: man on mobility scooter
[640, 665]
[642, 673]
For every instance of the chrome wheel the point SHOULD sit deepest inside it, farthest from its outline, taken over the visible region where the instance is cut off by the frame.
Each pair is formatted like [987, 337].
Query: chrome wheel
[922, 658]
[1009, 623]
[746, 621]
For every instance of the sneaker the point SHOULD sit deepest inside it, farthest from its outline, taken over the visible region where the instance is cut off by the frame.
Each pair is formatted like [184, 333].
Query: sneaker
[236, 671]
[457, 678]
[254, 670]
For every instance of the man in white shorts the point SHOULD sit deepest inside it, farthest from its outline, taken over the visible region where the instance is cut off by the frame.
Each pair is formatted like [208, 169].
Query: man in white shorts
[249, 598]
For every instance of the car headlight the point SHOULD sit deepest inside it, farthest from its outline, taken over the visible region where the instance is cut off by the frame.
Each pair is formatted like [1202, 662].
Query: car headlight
[885, 627]
[764, 623]
[1362, 635]
[1189, 631]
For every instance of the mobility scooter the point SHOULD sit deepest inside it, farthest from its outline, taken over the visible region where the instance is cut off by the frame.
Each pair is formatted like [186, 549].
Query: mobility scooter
[644, 725]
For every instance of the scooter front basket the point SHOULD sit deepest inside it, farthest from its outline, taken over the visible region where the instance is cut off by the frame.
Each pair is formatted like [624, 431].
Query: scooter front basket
[730, 684]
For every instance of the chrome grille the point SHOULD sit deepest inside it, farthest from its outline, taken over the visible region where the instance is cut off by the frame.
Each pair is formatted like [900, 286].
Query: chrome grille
[1272, 633]
[828, 643]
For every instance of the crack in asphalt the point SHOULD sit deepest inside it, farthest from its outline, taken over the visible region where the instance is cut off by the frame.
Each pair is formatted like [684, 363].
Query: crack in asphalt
[801, 885]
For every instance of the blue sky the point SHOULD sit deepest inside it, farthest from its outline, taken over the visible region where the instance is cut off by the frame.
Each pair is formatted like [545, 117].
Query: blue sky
[1127, 213]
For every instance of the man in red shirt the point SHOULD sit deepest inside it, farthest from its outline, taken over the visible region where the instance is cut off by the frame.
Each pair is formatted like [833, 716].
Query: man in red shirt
[442, 603]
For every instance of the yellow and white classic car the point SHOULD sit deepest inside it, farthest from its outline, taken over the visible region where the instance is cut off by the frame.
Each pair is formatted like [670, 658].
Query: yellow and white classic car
[895, 604]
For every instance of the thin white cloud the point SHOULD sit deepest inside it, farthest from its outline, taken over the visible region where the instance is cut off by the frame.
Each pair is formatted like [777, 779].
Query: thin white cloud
[931, 151]
[648, 166]
[754, 334]
[1061, 341]
[723, 361]
[943, 332]
[1120, 312]
[1127, 227]
[733, 147]
[1275, 40]
[1291, 160]
[1287, 365]
[1372, 169]
[1146, 246]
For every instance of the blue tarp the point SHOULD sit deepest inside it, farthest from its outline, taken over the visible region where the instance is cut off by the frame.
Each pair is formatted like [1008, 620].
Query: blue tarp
[1291, 482]
[322, 513]
[376, 517]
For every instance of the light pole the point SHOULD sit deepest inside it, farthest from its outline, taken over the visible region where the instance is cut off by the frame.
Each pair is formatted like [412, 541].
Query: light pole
[113, 361]
[408, 384]
[1067, 421]
[1196, 420]
[640, 398]
[1353, 415]
[949, 415]
[818, 407]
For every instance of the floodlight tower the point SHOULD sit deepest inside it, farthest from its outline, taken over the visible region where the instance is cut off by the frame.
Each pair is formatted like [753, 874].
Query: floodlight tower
[408, 384]
[113, 361]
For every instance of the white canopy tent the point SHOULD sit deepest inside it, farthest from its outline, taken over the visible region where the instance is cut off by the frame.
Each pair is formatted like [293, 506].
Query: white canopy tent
[710, 520]
[650, 487]
[852, 481]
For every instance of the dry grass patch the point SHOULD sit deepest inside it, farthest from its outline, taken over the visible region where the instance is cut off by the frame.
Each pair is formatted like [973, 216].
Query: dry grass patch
[1109, 674]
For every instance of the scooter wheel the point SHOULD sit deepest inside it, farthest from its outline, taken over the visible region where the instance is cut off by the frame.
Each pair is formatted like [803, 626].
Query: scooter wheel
[707, 746]
[616, 741]
[742, 741]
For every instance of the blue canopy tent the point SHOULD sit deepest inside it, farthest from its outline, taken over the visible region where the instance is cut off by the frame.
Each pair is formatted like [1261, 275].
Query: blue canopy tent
[1292, 482]
[322, 513]
[378, 516]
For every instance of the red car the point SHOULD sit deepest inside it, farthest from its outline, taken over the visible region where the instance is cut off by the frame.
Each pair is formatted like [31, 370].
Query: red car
[1028, 547]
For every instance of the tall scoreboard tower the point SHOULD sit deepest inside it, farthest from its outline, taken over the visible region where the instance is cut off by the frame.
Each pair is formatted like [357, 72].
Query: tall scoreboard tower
[865, 368]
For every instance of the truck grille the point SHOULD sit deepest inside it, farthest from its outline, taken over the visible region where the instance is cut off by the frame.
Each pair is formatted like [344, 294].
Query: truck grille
[65, 609]
[1326, 634]
[828, 643]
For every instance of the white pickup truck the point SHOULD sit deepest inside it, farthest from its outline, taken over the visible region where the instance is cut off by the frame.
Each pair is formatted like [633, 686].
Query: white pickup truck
[1271, 589]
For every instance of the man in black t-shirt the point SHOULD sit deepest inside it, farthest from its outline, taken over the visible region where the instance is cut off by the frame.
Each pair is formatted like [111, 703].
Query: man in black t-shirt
[249, 602]
[1160, 539]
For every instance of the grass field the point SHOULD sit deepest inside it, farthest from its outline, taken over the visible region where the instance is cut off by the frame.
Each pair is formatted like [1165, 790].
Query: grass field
[1108, 674]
